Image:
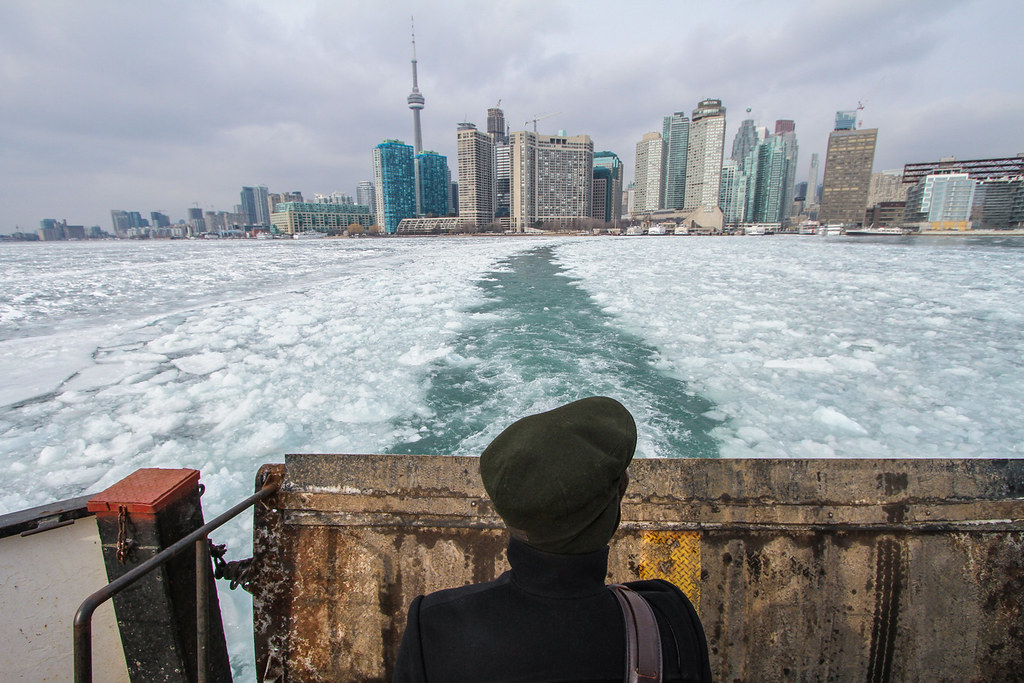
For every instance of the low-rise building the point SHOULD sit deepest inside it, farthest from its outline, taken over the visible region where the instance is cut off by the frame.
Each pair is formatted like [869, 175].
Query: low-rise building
[295, 217]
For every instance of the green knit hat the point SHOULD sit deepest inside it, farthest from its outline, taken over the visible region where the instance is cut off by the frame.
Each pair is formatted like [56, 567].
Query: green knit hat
[554, 477]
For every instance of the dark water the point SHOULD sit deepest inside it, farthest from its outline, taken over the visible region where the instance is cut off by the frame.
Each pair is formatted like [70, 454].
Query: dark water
[540, 341]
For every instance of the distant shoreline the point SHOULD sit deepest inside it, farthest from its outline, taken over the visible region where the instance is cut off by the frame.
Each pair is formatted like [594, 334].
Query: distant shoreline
[969, 233]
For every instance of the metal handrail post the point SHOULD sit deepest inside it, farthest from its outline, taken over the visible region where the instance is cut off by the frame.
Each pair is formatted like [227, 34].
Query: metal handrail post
[202, 603]
[83, 617]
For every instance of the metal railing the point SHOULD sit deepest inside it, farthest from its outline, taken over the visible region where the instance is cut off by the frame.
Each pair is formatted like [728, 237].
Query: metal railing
[83, 618]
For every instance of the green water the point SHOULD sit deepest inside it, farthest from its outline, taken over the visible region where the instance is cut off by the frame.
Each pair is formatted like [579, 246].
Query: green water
[539, 341]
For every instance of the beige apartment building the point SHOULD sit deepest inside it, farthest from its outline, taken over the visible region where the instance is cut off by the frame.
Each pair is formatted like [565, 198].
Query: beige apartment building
[476, 175]
[552, 180]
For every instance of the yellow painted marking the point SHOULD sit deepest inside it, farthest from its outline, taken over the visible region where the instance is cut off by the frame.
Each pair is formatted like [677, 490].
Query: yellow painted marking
[675, 557]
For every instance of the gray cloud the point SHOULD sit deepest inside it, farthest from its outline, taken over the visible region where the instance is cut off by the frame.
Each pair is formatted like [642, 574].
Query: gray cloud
[148, 107]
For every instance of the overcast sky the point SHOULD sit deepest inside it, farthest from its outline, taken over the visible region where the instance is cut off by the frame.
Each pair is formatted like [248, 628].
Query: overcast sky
[163, 106]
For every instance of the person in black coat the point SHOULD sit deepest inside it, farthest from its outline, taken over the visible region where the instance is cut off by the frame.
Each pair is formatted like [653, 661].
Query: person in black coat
[556, 479]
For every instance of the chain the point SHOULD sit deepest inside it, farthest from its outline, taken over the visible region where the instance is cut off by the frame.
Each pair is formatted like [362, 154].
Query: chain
[238, 572]
[124, 544]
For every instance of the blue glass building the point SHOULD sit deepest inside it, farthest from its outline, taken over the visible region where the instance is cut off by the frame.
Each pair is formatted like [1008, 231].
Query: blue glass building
[394, 177]
[435, 183]
[846, 120]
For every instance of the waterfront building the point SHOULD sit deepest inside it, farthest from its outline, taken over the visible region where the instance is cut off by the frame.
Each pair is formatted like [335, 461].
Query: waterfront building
[704, 155]
[885, 214]
[255, 205]
[733, 193]
[772, 171]
[197, 224]
[119, 219]
[998, 204]
[365, 195]
[786, 129]
[476, 175]
[551, 180]
[394, 179]
[650, 173]
[159, 220]
[441, 225]
[609, 203]
[675, 131]
[50, 230]
[325, 217]
[940, 200]
[435, 183]
[848, 164]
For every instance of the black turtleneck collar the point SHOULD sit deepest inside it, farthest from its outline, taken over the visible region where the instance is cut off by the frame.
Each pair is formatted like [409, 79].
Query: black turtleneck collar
[553, 575]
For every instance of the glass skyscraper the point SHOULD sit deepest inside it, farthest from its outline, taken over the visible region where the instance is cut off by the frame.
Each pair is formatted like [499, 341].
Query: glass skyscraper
[608, 166]
[435, 183]
[676, 134]
[254, 205]
[395, 181]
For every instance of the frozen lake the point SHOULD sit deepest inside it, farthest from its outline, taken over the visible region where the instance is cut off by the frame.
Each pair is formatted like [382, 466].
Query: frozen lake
[224, 355]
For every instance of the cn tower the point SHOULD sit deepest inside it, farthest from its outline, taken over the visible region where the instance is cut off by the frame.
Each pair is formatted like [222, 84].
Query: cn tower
[416, 101]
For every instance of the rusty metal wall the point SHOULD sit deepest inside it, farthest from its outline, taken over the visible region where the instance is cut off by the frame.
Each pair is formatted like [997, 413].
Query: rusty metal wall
[804, 570]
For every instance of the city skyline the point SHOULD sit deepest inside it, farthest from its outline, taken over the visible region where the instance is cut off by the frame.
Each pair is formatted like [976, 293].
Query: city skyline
[198, 110]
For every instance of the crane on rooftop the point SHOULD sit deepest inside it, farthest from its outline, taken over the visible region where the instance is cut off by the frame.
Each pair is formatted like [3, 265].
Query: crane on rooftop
[541, 117]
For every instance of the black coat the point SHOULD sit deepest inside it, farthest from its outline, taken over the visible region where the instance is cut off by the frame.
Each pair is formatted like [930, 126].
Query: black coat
[550, 618]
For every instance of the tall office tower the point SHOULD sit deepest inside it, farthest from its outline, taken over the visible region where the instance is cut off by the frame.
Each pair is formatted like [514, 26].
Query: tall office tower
[476, 174]
[746, 139]
[416, 103]
[196, 222]
[435, 183]
[848, 165]
[732, 196]
[502, 161]
[812, 180]
[770, 185]
[120, 222]
[496, 125]
[783, 126]
[786, 129]
[159, 220]
[940, 198]
[254, 205]
[395, 181]
[704, 156]
[675, 131]
[846, 120]
[365, 196]
[650, 173]
[136, 220]
[552, 179]
[612, 203]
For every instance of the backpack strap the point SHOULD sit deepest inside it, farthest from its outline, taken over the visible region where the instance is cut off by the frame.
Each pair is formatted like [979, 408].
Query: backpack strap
[643, 639]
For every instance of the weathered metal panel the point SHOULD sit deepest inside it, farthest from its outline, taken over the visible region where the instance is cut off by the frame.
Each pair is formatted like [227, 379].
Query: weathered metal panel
[801, 569]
